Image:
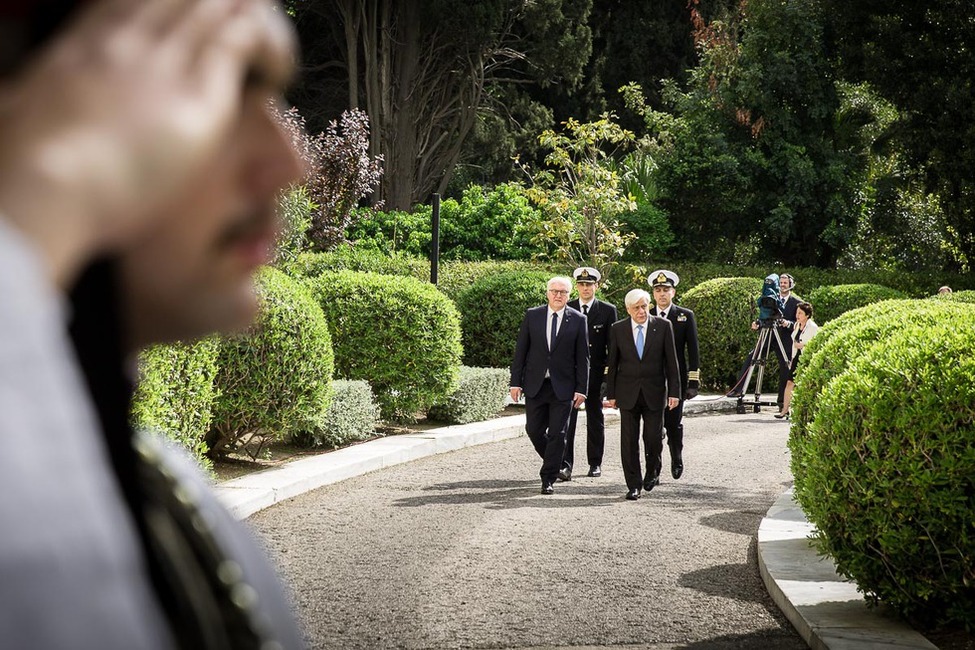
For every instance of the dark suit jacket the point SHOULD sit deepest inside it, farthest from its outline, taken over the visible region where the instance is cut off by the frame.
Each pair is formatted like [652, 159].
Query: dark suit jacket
[685, 340]
[657, 374]
[601, 316]
[785, 333]
[568, 363]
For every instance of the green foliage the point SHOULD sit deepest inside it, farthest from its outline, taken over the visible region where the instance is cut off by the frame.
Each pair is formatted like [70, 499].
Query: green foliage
[399, 334]
[484, 224]
[454, 276]
[296, 209]
[352, 416]
[888, 466]
[480, 395]
[918, 56]
[956, 296]
[581, 195]
[830, 302]
[751, 165]
[311, 265]
[847, 338]
[724, 309]
[275, 379]
[175, 393]
[491, 313]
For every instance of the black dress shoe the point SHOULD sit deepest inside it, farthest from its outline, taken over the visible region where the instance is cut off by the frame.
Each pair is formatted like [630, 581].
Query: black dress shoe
[594, 471]
[633, 494]
[565, 474]
[548, 488]
[676, 466]
[651, 482]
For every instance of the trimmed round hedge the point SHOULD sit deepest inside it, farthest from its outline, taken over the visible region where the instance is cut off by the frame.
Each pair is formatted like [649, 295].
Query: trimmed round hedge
[491, 313]
[848, 337]
[724, 309]
[832, 301]
[889, 468]
[175, 393]
[399, 334]
[275, 379]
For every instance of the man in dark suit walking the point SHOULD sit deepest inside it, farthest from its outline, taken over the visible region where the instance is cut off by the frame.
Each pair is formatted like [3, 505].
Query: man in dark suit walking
[642, 379]
[551, 368]
[664, 285]
[599, 316]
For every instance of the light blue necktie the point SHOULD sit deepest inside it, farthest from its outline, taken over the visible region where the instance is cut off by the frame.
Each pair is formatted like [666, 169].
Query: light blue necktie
[555, 325]
[639, 341]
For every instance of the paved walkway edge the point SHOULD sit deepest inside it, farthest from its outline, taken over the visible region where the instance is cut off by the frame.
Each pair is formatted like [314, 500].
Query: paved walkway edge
[249, 494]
[825, 609]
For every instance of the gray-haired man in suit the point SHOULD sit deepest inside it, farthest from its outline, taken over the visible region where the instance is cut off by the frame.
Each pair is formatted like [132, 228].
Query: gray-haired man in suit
[551, 368]
[642, 379]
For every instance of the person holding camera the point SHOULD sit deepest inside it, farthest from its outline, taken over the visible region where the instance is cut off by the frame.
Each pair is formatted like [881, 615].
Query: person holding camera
[805, 328]
[788, 304]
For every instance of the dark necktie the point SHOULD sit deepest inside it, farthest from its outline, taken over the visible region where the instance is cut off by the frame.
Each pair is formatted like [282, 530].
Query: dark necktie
[555, 326]
[585, 309]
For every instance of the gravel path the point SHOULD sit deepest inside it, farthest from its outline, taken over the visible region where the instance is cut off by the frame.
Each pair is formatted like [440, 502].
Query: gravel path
[461, 551]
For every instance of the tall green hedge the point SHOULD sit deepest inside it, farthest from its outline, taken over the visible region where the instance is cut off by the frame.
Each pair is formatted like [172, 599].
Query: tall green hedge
[175, 393]
[399, 334]
[275, 379]
[888, 465]
[724, 309]
[491, 313]
[831, 301]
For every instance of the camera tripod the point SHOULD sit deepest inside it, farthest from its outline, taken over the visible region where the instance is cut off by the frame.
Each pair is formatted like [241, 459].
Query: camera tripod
[756, 368]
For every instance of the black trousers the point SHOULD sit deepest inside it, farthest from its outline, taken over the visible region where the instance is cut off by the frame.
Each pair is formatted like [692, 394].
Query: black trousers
[653, 436]
[595, 427]
[547, 422]
[673, 424]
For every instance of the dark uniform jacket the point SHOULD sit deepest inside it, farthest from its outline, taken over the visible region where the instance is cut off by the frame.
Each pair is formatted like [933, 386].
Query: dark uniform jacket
[599, 319]
[685, 339]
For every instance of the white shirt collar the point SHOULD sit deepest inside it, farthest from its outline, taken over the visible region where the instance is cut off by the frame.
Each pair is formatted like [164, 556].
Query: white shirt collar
[635, 324]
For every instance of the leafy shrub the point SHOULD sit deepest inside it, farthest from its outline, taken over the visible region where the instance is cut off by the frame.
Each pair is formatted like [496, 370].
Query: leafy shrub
[831, 301]
[724, 309]
[296, 208]
[652, 229]
[956, 296]
[399, 334]
[275, 379]
[889, 469]
[175, 393]
[495, 223]
[491, 313]
[339, 171]
[352, 416]
[481, 394]
[311, 265]
[849, 337]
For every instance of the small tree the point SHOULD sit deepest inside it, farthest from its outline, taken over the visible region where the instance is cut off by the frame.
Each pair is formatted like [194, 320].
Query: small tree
[339, 172]
[582, 195]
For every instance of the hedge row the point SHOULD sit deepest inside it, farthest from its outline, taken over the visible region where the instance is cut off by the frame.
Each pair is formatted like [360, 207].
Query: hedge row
[882, 454]
[275, 380]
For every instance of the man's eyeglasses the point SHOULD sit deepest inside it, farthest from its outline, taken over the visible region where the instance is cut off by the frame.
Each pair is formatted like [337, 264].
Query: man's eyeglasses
[559, 292]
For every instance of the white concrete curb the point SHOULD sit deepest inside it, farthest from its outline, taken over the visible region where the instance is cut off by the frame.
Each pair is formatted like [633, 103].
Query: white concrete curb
[827, 610]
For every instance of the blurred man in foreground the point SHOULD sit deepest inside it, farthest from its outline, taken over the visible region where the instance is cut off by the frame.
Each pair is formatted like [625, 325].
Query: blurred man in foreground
[139, 167]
